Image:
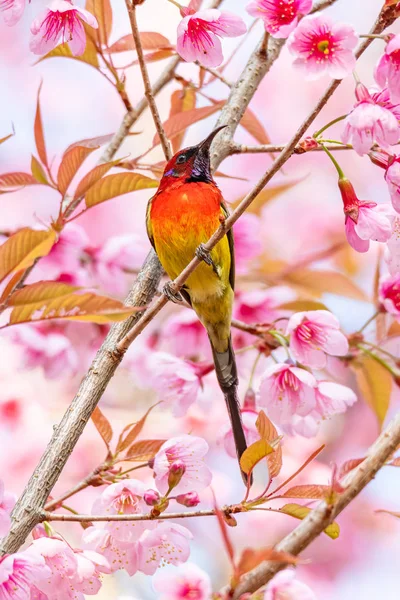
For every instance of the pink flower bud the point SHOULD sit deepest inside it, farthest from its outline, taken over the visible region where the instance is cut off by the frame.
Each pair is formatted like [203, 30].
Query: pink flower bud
[307, 144]
[249, 400]
[151, 497]
[190, 499]
[175, 473]
[362, 93]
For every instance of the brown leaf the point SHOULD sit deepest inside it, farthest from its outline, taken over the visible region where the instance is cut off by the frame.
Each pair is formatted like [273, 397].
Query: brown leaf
[301, 512]
[94, 142]
[181, 101]
[71, 161]
[254, 454]
[251, 558]
[268, 194]
[311, 492]
[144, 450]
[102, 10]
[40, 292]
[254, 127]
[151, 40]
[92, 177]
[156, 56]
[116, 185]
[38, 130]
[10, 287]
[102, 425]
[62, 51]
[302, 305]
[267, 431]
[225, 175]
[395, 462]
[133, 432]
[38, 172]
[349, 465]
[181, 121]
[389, 512]
[7, 137]
[394, 329]
[318, 282]
[375, 384]
[74, 307]
[22, 248]
[17, 180]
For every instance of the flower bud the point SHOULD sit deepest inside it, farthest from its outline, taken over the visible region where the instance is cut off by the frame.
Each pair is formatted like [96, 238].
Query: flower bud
[190, 499]
[351, 203]
[176, 472]
[307, 144]
[151, 497]
[249, 400]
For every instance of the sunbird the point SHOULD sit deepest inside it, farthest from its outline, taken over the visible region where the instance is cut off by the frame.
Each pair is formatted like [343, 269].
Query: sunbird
[183, 214]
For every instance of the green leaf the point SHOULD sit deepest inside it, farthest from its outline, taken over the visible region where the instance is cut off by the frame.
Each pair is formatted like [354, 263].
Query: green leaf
[116, 185]
[300, 512]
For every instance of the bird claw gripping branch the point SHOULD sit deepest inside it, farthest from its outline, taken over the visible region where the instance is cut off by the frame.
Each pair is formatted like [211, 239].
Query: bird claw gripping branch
[171, 294]
[205, 255]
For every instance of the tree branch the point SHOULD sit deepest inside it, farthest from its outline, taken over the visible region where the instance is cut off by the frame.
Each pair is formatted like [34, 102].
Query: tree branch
[317, 520]
[146, 80]
[267, 148]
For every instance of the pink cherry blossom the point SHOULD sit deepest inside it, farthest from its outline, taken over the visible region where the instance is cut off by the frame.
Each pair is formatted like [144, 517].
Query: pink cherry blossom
[168, 543]
[7, 501]
[389, 294]
[382, 97]
[364, 221]
[249, 418]
[247, 236]
[286, 391]
[125, 497]
[284, 586]
[333, 398]
[190, 450]
[323, 47]
[261, 306]
[47, 349]
[387, 71]
[111, 261]
[62, 21]
[176, 381]
[392, 177]
[65, 257]
[392, 251]
[73, 573]
[369, 123]
[120, 555]
[12, 10]
[186, 335]
[186, 582]
[280, 17]
[313, 334]
[18, 573]
[199, 33]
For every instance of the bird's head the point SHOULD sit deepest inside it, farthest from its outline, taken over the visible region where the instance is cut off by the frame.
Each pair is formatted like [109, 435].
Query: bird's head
[193, 163]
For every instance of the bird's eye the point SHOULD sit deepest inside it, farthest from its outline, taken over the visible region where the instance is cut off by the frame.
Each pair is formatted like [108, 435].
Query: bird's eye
[181, 159]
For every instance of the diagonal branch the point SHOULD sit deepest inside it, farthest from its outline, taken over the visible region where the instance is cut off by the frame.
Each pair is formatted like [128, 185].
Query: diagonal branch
[317, 520]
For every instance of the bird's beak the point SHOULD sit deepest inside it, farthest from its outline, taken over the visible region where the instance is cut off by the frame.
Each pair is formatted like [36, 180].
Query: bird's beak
[204, 146]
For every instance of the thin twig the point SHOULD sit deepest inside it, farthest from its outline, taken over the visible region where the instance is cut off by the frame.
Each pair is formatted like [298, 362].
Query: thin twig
[146, 80]
[271, 148]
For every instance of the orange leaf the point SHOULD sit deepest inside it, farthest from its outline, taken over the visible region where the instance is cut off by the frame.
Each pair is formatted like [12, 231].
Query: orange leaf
[300, 512]
[181, 121]
[22, 248]
[254, 454]
[71, 161]
[102, 425]
[123, 443]
[40, 292]
[5, 297]
[38, 130]
[92, 177]
[74, 307]
[38, 171]
[349, 465]
[253, 126]
[311, 492]
[116, 185]
[11, 181]
[251, 558]
[94, 142]
[7, 137]
[181, 101]
[151, 40]
[102, 10]
[144, 450]
[267, 431]
[156, 55]
[375, 384]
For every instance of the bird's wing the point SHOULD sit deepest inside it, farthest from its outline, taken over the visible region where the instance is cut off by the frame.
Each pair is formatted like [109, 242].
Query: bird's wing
[229, 235]
[149, 228]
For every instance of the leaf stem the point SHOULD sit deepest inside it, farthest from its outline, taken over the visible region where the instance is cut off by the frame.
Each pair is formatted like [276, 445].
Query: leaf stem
[334, 161]
[333, 122]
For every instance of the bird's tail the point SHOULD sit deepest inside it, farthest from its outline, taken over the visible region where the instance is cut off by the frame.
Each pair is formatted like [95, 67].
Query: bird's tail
[225, 368]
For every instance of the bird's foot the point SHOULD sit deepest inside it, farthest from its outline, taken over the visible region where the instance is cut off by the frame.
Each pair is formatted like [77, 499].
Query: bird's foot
[205, 255]
[171, 294]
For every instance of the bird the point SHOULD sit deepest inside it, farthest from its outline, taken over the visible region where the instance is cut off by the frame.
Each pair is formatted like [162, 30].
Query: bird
[185, 211]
